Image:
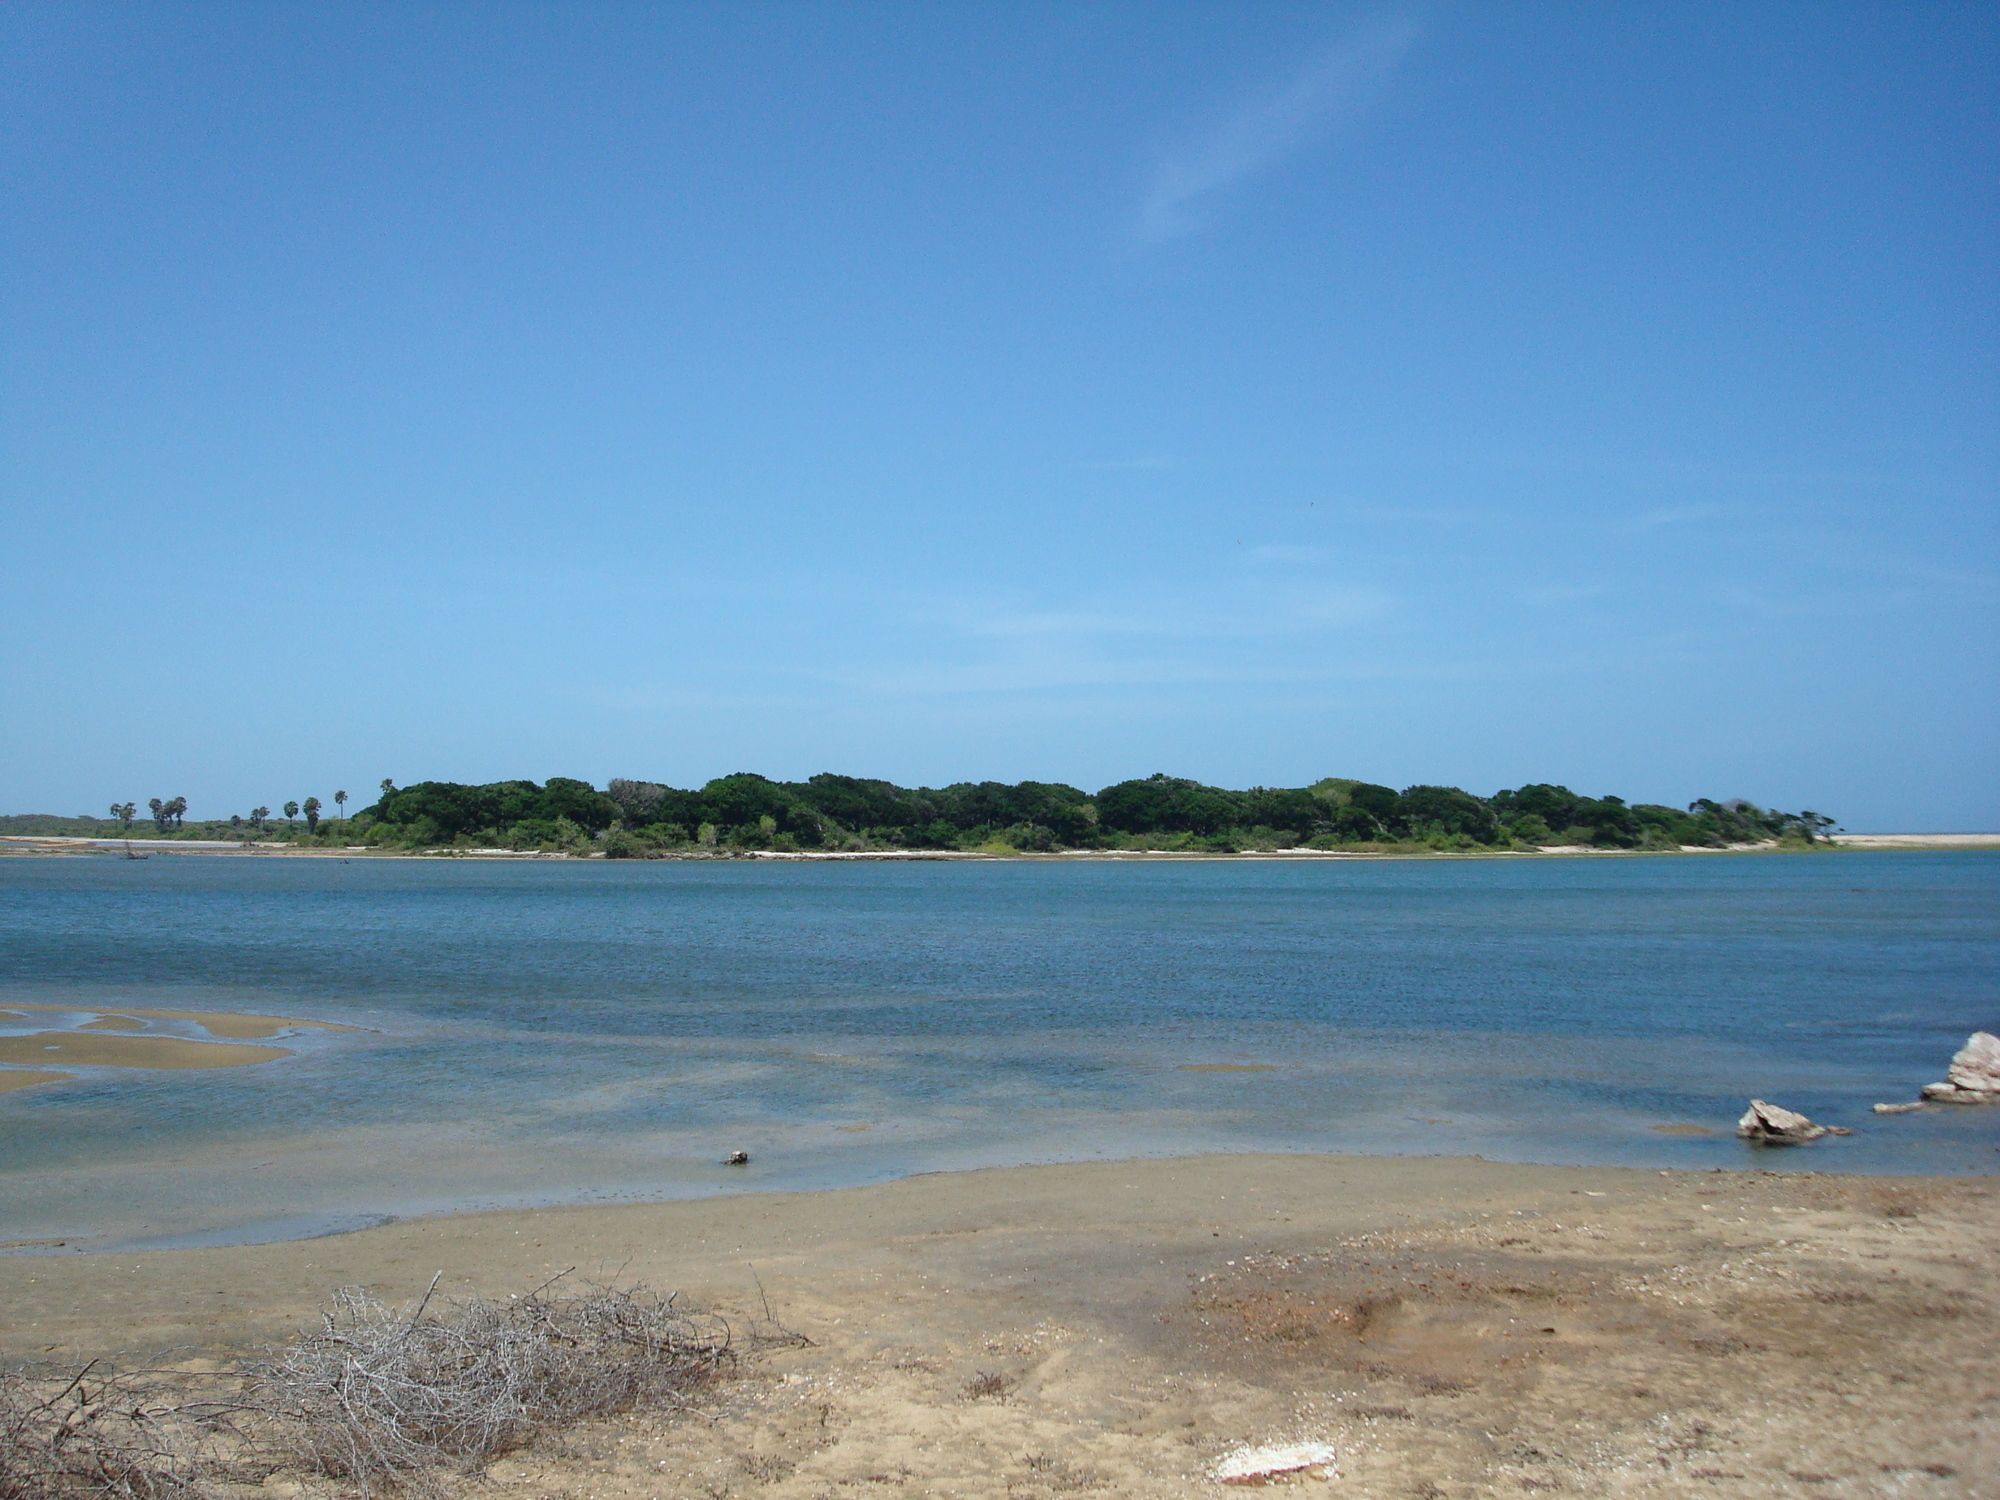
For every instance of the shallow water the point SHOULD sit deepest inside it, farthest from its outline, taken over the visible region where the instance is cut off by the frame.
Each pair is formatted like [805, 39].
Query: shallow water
[569, 1032]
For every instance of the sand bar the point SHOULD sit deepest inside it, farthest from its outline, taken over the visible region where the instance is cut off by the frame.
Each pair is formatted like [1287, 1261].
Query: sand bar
[234, 1025]
[1452, 1327]
[99, 1050]
[1918, 840]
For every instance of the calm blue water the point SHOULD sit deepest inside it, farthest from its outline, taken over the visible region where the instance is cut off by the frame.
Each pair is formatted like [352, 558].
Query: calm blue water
[576, 1032]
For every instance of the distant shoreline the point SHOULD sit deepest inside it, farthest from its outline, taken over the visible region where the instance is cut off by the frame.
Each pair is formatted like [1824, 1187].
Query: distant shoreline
[60, 846]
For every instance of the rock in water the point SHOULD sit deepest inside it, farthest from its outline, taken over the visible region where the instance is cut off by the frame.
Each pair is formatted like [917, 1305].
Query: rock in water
[1898, 1109]
[737, 1159]
[1974, 1075]
[1768, 1125]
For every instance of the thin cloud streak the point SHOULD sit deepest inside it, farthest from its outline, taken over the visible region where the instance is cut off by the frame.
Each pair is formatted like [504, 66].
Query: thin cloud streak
[1336, 87]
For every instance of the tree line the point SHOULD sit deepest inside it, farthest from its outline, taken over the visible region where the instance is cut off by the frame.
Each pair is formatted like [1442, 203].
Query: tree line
[830, 812]
[170, 815]
[742, 812]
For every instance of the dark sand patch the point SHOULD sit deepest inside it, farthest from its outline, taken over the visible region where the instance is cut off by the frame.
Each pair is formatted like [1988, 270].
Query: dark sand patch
[131, 1051]
[1229, 1067]
[1682, 1127]
[114, 1023]
[12, 1079]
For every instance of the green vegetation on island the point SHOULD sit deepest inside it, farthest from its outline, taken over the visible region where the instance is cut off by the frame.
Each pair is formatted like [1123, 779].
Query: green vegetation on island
[746, 812]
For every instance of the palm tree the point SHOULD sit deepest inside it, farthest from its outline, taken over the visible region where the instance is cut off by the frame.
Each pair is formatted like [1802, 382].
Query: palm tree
[312, 815]
[178, 810]
[258, 815]
[388, 785]
[159, 808]
[291, 811]
[340, 801]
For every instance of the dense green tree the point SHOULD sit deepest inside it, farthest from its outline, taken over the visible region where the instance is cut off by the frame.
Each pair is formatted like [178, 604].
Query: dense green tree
[1380, 803]
[639, 802]
[1427, 811]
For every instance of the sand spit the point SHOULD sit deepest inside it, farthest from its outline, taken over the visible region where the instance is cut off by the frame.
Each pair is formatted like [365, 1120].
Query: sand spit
[1449, 1327]
[1918, 840]
[52, 845]
[100, 1050]
[231, 1024]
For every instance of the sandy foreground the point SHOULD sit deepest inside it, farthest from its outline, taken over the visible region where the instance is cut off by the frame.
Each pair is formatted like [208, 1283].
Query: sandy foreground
[1452, 1327]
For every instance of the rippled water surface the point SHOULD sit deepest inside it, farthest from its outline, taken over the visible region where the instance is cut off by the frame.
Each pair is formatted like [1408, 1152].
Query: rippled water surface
[540, 1032]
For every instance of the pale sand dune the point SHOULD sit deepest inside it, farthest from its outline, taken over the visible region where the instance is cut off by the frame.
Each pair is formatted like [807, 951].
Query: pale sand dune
[102, 1051]
[1452, 1327]
[112, 1023]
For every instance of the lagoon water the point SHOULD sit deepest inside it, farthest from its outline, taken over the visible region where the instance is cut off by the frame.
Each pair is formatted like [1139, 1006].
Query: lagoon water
[579, 1032]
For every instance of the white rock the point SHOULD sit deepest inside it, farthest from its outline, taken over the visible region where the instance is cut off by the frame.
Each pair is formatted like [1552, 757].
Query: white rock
[1768, 1125]
[1976, 1068]
[1256, 1465]
[1974, 1075]
[1898, 1109]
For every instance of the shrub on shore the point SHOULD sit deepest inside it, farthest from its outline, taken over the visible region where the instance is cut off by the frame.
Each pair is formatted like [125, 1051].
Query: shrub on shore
[378, 1398]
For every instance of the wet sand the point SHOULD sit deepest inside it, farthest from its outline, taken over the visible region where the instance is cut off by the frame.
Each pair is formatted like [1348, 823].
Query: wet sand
[100, 1050]
[1453, 1327]
[28, 1078]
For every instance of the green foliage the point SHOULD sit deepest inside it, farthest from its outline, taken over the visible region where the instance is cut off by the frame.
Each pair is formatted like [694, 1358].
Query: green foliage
[744, 811]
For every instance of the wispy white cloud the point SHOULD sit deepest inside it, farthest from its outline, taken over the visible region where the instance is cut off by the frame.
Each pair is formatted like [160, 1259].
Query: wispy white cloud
[1133, 639]
[1245, 613]
[1678, 515]
[1335, 87]
[1281, 554]
[1561, 593]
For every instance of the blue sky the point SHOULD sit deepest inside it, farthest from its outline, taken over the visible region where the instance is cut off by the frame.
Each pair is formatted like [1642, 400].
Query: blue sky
[1475, 394]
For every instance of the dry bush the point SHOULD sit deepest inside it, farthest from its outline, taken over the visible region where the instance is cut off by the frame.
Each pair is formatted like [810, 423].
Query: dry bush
[381, 1396]
[114, 1435]
[987, 1385]
[1898, 1202]
[376, 1397]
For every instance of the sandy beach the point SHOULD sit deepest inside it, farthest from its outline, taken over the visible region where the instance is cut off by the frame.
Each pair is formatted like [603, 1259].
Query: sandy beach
[1452, 1327]
[66, 847]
